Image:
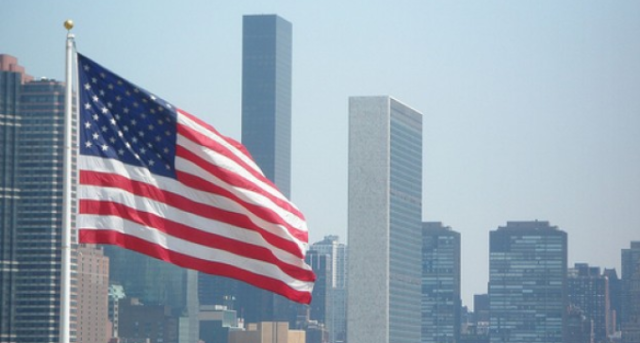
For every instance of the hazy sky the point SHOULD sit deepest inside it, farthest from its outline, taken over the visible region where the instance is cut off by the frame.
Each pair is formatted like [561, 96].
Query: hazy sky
[531, 108]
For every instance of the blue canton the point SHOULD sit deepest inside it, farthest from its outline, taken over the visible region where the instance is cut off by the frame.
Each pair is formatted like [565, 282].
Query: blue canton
[119, 120]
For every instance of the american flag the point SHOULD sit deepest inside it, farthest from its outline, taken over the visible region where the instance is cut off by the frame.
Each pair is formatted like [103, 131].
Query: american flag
[157, 180]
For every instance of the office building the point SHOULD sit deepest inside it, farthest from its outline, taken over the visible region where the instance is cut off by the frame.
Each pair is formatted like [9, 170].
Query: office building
[157, 283]
[527, 283]
[588, 290]
[615, 294]
[385, 211]
[267, 332]
[631, 294]
[39, 214]
[266, 133]
[93, 295]
[441, 302]
[12, 77]
[336, 313]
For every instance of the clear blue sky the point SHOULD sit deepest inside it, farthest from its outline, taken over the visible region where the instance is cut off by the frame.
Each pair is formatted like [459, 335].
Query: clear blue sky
[531, 108]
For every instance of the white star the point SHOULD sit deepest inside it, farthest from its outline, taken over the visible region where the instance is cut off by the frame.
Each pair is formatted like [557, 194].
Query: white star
[150, 127]
[119, 82]
[104, 128]
[125, 110]
[126, 128]
[145, 100]
[88, 144]
[95, 98]
[143, 150]
[152, 162]
[120, 134]
[95, 117]
[167, 133]
[104, 110]
[112, 121]
[158, 138]
[86, 67]
[112, 140]
[94, 80]
[152, 111]
[141, 133]
[136, 156]
[128, 145]
[167, 166]
[120, 152]
[104, 147]
[87, 125]
[134, 122]
[117, 116]
[168, 105]
[102, 75]
[109, 105]
[134, 139]
[87, 106]
[165, 150]
[101, 92]
[160, 121]
[95, 136]
[110, 86]
[87, 86]
[136, 90]
[153, 97]
[118, 98]
[135, 104]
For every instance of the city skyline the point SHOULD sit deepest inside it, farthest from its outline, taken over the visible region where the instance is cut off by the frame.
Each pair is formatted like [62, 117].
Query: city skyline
[530, 109]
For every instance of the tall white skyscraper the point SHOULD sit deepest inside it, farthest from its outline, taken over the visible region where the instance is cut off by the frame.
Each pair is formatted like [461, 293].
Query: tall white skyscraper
[385, 210]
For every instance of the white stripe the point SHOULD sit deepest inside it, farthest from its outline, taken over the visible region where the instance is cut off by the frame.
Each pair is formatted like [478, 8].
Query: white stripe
[185, 120]
[97, 164]
[114, 223]
[225, 162]
[160, 209]
[249, 196]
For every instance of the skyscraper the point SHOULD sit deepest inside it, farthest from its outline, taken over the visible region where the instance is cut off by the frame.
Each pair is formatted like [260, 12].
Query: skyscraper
[12, 76]
[385, 210]
[39, 213]
[588, 290]
[631, 294]
[441, 301]
[336, 316]
[266, 133]
[527, 283]
[266, 95]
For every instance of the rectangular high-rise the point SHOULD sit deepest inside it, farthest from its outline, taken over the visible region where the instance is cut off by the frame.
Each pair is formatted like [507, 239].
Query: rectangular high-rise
[12, 76]
[266, 133]
[385, 218]
[588, 290]
[335, 318]
[527, 283]
[441, 301]
[631, 294]
[39, 213]
[266, 95]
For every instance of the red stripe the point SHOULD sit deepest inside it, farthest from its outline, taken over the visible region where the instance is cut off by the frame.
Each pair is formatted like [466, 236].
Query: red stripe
[231, 177]
[190, 234]
[156, 251]
[186, 204]
[241, 148]
[263, 212]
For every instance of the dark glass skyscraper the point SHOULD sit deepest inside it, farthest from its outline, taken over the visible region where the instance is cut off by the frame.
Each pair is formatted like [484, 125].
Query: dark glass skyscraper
[266, 95]
[441, 301]
[385, 219]
[631, 293]
[39, 216]
[11, 79]
[266, 133]
[527, 283]
[588, 290]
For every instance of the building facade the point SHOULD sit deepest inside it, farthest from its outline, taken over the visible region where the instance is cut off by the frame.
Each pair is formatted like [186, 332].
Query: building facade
[266, 133]
[39, 213]
[631, 294]
[527, 283]
[385, 210]
[441, 302]
[93, 295]
[12, 77]
[336, 313]
[588, 290]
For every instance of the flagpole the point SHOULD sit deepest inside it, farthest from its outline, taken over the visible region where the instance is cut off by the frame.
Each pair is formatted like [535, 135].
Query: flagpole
[65, 279]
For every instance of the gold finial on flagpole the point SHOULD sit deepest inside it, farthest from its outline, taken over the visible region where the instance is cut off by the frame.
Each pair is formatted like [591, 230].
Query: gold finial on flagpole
[68, 24]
